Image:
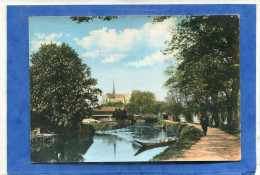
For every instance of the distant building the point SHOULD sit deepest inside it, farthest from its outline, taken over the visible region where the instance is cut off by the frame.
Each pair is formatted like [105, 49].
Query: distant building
[106, 113]
[113, 97]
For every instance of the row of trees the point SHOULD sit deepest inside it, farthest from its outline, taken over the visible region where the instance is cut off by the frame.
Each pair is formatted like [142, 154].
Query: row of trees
[203, 73]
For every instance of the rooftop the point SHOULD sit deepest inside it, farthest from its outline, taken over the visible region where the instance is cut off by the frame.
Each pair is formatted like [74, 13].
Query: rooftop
[115, 95]
[109, 108]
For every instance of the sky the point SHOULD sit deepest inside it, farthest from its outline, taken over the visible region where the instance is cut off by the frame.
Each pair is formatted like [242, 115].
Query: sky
[127, 49]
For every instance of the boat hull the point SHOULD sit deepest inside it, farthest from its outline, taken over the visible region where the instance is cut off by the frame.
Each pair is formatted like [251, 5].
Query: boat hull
[155, 144]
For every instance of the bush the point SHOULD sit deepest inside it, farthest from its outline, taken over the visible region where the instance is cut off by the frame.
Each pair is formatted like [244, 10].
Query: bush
[150, 118]
[130, 117]
[88, 130]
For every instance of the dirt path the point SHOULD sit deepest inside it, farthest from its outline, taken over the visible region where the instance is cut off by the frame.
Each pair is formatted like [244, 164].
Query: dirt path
[216, 146]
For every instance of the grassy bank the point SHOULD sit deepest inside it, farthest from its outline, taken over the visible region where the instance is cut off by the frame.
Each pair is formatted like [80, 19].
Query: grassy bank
[188, 135]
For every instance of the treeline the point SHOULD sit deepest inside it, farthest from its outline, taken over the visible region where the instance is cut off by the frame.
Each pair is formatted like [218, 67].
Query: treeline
[142, 102]
[204, 69]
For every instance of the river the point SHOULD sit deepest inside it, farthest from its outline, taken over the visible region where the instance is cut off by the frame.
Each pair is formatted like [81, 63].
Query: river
[107, 145]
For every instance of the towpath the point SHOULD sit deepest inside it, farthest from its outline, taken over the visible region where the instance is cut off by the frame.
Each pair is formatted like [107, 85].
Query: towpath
[216, 146]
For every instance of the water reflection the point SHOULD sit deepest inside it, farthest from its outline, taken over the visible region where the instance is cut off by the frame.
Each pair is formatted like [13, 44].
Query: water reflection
[70, 149]
[108, 145]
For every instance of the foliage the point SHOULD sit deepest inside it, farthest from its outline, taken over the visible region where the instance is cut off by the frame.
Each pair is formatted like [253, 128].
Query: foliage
[144, 100]
[80, 19]
[203, 74]
[99, 126]
[188, 135]
[88, 130]
[130, 117]
[119, 114]
[61, 87]
[132, 108]
[159, 107]
[150, 118]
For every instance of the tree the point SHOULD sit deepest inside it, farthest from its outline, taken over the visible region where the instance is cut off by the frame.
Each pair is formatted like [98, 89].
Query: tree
[132, 108]
[205, 71]
[159, 107]
[61, 87]
[144, 100]
[80, 19]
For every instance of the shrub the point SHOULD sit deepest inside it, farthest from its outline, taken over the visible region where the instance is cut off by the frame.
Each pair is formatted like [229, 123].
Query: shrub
[130, 117]
[150, 118]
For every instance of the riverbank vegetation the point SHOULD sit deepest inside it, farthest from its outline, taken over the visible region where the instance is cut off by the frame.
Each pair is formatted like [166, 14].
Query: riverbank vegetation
[62, 91]
[98, 126]
[188, 135]
[204, 69]
[150, 118]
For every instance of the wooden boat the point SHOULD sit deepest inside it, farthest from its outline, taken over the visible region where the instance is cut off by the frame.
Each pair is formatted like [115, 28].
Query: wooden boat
[156, 144]
[147, 146]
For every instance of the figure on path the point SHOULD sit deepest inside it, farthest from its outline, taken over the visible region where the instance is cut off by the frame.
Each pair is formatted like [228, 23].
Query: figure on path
[204, 124]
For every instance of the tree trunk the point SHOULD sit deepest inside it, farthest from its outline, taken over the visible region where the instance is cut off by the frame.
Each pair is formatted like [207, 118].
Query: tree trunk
[215, 109]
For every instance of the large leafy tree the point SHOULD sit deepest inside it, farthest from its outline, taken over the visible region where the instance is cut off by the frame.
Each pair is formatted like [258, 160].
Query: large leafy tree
[144, 100]
[204, 71]
[61, 87]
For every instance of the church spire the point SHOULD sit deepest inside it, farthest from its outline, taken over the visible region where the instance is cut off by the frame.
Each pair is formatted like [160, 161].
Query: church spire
[114, 91]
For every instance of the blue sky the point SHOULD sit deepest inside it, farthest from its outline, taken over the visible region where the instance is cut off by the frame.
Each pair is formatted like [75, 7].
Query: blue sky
[127, 48]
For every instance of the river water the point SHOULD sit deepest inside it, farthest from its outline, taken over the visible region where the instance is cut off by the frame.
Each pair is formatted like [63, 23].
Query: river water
[107, 145]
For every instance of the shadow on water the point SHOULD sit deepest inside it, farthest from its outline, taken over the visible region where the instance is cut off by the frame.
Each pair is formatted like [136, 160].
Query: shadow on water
[142, 149]
[65, 149]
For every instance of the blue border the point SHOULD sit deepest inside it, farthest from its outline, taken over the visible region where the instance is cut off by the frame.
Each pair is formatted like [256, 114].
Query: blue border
[18, 121]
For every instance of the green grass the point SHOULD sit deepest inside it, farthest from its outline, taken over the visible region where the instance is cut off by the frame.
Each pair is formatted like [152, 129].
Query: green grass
[188, 136]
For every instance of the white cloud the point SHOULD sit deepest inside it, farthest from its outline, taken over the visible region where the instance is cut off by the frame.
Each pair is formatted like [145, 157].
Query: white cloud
[113, 58]
[157, 57]
[93, 54]
[150, 34]
[109, 39]
[42, 38]
[40, 35]
[156, 34]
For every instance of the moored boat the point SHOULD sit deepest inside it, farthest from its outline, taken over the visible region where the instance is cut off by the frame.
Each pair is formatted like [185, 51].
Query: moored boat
[164, 142]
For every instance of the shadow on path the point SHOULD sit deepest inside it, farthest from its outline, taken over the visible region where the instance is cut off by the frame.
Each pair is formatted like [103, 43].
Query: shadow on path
[216, 146]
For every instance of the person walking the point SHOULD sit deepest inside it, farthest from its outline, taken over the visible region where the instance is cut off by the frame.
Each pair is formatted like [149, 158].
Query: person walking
[204, 124]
